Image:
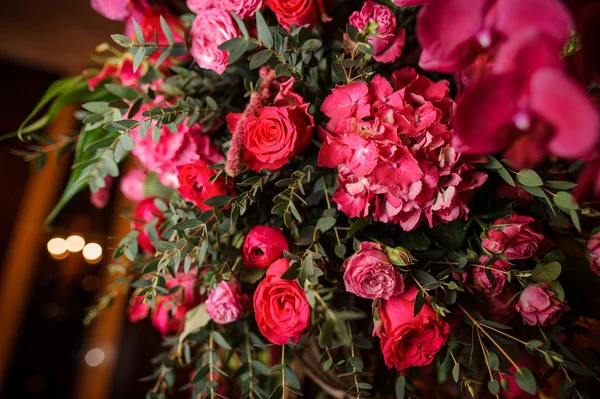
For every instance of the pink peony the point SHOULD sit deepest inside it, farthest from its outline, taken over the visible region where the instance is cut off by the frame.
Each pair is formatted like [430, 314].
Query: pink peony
[173, 150]
[210, 29]
[408, 340]
[593, 246]
[262, 246]
[380, 24]
[512, 237]
[538, 305]
[243, 8]
[391, 146]
[481, 280]
[226, 302]
[132, 185]
[280, 306]
[369, 273]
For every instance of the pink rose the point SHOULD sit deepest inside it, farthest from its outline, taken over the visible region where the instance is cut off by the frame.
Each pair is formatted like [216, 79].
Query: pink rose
[539, 305]
[145, 212]
[497, 308]
[169, 314]
[243, 8]
[369, 273]
[593, 246]
[117, 10]
[513, 237]
[280, 306]
[297, 12]
[380, 23]
[210, 29]
[408, 340]
[101, 197]
[196, 183]
[132, 185]
[226, 302]
[262, 246]
[481, 280]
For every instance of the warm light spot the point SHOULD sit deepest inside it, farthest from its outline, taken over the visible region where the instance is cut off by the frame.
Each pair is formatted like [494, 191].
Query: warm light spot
[57, 246]
[75, 243]
[92, 252]
[94, 357]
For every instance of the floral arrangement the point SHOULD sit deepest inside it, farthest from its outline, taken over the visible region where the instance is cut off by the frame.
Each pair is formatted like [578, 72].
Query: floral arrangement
[348, 198]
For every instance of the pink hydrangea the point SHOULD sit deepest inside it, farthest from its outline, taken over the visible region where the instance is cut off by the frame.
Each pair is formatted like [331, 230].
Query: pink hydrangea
[538, 305]
[243, 8]
[369, 273]
[392, 147]
[380, 23]
[226, 302]
[132, 185]
[210, 29]
[593, 246]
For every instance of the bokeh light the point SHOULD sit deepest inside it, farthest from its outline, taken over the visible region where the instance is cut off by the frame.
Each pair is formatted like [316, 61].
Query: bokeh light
[57, 247]
[92, 252]
[75, 243]
[94, 357]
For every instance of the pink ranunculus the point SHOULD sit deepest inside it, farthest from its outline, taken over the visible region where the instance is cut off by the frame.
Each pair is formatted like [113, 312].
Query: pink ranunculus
[497, 269]
[280, 306]
[101, 197]
[226, 303]
[369, 274]
[169, 314]
[145, 212]
[593, 246]
[538, 305]
[117, 10]
[132, 185]
[408, 340]
[262, 246]
[513, 237]
[380, 23]
[454, 33]
[196, 183]
[210, 29]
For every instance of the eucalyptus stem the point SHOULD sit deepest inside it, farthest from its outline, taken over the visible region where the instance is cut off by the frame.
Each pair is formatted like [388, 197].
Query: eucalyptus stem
[210, 361]
[249, 359]
[283, 372]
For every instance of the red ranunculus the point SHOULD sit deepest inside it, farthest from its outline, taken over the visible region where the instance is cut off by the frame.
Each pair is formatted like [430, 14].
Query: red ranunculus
[262, 246]
[145, 212]
[408, 340]
[280, 306]
[195, 184]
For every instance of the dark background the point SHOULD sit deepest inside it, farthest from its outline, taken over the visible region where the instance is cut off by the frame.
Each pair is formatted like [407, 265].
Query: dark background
[42, 300]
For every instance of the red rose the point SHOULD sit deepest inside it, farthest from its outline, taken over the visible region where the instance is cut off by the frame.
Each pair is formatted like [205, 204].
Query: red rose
[408, 340]
[513, 237]
[262, 246]
[280, 306]
[195, 184]
[297, 12]
[145, 212]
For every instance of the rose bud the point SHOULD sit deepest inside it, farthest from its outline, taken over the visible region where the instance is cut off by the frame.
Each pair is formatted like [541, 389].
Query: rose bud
[408, 340]
[497, 270]
[400, 256]
[262, 246]
[280, 306]
[369, 273]
[226, 303]
[145, 212]
[538, 305]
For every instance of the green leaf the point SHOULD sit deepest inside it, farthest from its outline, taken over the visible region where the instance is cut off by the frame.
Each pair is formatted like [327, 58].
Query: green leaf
[419, 302]
[236, 48]
[340, 251]
[325, 223]
[526, 380]
[122, 92]
[400, 388]
[260, 58]
[138, 32]
[290, 377]
[456, 372]
[503, 173]
[558, 289]
[264, 34]
[311, 45]
[534, 343]
[493, 361]
[122, 40]
[560, 185]
[219, 200]
[195, 319]
[138, 58]
[240, 24]
[366, 48]
[126, 142]
[220, 340]
[565, 200]
[530, 178]
[493, 387]
[167, 30]
[546, 272]
[100, 143]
